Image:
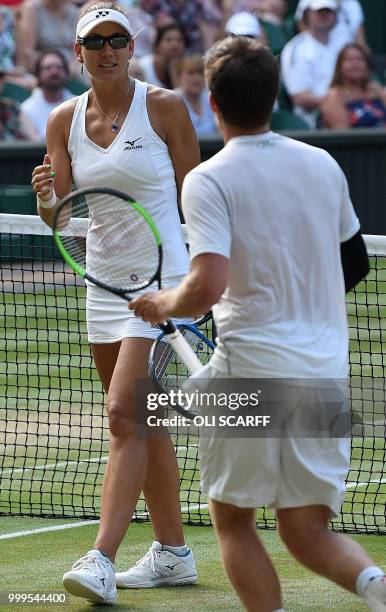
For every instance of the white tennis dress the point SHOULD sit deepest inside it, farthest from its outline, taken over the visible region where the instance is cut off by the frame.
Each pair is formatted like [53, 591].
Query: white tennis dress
[138, 163]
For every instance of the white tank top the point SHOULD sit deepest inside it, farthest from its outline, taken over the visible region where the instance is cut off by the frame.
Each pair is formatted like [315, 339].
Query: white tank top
[138, 163]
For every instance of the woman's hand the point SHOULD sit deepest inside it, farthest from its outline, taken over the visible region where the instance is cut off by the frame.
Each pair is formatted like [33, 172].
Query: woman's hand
[43, 180]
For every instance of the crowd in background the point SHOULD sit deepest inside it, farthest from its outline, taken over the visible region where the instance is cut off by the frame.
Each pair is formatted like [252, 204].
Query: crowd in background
[328, 80]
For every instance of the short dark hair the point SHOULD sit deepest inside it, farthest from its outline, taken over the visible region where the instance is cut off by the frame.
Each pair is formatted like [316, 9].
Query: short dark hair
[243, 77]
[44, 54]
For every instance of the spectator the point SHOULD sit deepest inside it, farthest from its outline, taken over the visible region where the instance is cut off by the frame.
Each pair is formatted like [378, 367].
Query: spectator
[200, 24]
[14, 5]
[245, 24]
[354, 99]
[159, 67]
[142, 24]
[52, 72]
[238, 6]
[349, 24]
[278, 29]
[273, 11]
[14, 125]
[44, 25]
[308, 60]
[192, 89]
[15, 74]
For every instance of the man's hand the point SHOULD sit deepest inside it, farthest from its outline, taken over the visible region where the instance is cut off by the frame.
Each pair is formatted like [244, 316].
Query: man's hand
[154, 307]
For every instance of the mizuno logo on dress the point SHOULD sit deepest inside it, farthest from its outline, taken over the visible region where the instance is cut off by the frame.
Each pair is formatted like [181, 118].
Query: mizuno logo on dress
[131, 144]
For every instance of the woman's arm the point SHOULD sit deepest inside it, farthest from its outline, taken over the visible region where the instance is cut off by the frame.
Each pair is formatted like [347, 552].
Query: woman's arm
[334, 112]
[171, 121]
[57, 161]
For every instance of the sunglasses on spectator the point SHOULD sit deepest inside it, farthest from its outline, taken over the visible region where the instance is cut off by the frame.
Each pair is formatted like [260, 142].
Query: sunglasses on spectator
[96, 43]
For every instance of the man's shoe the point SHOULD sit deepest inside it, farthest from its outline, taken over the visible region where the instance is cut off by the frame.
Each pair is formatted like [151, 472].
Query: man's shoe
[93, 578]
[159, 567]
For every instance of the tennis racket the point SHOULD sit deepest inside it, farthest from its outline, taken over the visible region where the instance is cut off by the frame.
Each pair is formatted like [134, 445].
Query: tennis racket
[166, 369]
[124, 260]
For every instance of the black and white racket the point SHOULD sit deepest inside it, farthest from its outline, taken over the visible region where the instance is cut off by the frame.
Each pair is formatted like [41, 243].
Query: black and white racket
[124, 260]
[168, 371]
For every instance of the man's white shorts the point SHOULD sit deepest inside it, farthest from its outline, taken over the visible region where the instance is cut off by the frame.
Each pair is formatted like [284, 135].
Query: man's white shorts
[276, 472]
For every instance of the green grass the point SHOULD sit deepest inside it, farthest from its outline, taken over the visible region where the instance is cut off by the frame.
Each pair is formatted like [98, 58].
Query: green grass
[36, 563]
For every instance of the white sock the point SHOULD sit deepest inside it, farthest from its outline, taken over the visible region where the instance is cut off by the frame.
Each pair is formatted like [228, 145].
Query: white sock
[179, 551]
[366, 576]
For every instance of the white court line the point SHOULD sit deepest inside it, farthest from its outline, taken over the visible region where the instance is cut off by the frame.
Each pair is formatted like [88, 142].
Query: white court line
[51, 466]
[60, 464]
[357, 485]
[19, 534]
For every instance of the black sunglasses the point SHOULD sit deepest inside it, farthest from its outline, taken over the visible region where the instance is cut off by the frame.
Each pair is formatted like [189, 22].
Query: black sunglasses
[96, 43]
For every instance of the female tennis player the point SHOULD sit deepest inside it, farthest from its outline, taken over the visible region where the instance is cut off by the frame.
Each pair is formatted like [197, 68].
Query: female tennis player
[125, 134]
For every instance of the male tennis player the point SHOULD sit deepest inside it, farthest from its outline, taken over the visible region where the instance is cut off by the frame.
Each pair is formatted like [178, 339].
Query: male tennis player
[274, 243]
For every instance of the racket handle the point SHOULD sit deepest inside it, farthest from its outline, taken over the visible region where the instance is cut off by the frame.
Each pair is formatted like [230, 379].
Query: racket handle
[183, 350]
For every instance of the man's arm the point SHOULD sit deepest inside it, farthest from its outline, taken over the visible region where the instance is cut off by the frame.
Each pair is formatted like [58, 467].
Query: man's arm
[200, 289]
[355, 261]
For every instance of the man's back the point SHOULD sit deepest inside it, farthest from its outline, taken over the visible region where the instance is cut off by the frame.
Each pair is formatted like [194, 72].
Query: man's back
[279, 211]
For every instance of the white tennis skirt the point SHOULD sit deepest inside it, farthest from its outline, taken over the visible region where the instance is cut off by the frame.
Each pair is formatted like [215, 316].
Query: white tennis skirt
[110, 320]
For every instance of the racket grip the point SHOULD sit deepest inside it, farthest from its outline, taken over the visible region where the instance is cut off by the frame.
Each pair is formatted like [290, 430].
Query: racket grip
[184, 351]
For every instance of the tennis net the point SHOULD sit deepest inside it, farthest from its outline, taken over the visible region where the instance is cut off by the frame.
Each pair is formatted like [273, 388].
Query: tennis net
[53, 428]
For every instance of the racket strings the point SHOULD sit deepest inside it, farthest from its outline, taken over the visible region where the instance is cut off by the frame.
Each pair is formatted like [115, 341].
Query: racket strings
[120, 249]
[169, 370]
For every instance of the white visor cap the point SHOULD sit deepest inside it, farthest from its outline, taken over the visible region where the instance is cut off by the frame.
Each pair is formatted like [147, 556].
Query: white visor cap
[90, 20]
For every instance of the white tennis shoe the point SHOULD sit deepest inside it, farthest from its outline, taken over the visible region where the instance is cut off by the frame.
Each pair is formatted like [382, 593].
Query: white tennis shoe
[93, 578]
[375, 594]
[159, 568]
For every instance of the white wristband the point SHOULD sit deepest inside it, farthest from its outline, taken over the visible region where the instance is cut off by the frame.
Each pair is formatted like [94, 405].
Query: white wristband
[49, 203]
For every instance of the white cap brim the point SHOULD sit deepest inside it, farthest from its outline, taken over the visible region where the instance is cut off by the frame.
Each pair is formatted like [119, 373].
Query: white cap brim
[318, 5]
[91, 20]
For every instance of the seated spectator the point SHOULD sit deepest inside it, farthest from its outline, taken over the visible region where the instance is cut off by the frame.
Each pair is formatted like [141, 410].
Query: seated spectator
[13, 5]
[45, 25]
[354, 99]
[230, 7]
[159, 67]
[245, 24]
[278, 29]
[349, 25]
[192, 89]
[273, 11]
[52, 72]
[200, 25]
[142, 27]
[14, 125]
[15, 74]
[308, 60]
